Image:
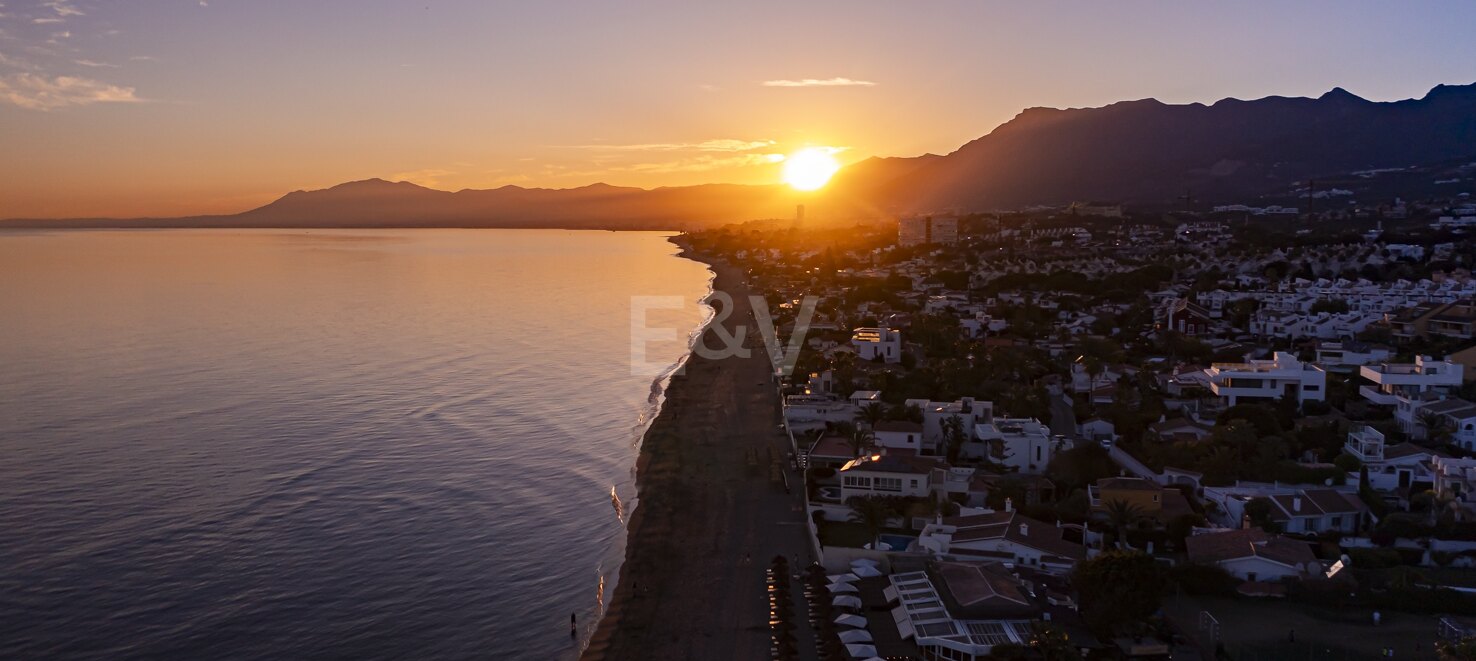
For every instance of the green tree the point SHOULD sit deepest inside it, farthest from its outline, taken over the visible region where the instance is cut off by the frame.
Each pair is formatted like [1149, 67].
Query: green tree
[872, 513]
[1118, 589]
[871, 414]
[953, 436]
[1050, 643]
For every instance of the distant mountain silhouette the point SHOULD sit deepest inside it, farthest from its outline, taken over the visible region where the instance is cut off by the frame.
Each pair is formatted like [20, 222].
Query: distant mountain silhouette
[1133, 152]
[375, 202]
[1148, 151]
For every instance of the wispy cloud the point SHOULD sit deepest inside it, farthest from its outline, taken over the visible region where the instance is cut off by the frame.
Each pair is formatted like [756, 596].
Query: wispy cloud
[63, 8]
[819, 82]
[718, 145]
[429, 177]
[95, 64]
[37, 92]
[701, 163]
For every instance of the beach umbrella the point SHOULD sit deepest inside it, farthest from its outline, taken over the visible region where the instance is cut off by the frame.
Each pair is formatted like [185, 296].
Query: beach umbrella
[855, 636]
[842, 578]
[860, 651]
[849, 620]
[866, 572]
[847, 601]
[865, 561]
[838, 588]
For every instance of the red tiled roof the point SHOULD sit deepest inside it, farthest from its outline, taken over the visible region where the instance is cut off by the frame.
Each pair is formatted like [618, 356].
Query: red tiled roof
[1247, 543]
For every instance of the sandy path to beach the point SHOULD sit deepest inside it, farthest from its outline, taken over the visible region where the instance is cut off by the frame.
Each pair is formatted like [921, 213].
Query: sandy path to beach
[707, 501]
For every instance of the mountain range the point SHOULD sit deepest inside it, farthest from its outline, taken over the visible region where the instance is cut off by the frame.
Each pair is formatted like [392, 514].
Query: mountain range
[1135, 152]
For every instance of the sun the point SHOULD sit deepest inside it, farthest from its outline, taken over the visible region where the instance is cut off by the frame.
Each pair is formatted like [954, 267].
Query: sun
[809, 168]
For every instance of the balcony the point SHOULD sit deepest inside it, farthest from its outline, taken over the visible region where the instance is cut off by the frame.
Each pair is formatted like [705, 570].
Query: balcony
[1373, 394]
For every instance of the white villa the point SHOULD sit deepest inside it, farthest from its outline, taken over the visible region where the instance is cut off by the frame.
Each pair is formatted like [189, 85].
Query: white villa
[886, 475]
[968, 410]
[1005, 536]
[1461, 415]
[879, 343]
[1024, 444]
[1390, 468]
[1251, 554]
[1457, 477]
[1282, 376]
[898, 435]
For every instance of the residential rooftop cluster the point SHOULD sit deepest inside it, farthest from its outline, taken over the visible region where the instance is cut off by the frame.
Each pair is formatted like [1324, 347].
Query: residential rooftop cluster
[1003, 415]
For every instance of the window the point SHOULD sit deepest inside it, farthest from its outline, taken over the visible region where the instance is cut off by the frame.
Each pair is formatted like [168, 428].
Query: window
[857, 482]
[914, 484]
[888, 484]
[1311, 388]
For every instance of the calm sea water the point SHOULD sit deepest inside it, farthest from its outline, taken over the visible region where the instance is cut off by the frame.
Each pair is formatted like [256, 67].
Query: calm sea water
[332, 444]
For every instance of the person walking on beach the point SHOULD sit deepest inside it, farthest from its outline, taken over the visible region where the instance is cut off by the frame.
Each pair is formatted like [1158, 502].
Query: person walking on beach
[573, 624]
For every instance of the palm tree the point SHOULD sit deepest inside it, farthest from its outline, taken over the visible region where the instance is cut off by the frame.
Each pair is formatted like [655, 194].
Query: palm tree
[871, 414]
[872, 513]
[1123, 515]
[860, 440]
[1438, 428]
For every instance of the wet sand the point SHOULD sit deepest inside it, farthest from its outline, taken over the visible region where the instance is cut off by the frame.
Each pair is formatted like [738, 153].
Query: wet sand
[711, 511]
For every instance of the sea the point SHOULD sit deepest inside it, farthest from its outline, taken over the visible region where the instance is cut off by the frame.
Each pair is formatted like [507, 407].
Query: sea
[358, 444]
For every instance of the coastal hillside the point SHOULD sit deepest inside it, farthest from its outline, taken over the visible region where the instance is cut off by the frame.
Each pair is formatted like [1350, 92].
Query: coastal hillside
[1151, 152]
[376, 202]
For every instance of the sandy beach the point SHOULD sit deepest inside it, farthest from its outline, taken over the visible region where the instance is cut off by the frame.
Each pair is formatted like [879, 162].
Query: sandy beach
[711, 513]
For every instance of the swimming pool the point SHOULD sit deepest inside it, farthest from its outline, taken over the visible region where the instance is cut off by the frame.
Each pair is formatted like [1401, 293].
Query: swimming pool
[895, 542]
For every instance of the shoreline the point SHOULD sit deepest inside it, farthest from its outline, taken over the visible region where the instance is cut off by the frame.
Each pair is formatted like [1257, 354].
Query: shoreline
[684, 589]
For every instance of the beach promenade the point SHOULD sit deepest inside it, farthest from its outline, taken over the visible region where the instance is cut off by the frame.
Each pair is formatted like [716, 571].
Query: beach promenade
[710, 516]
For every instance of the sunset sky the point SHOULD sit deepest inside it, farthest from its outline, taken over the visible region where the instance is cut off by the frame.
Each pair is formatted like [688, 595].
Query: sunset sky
[173, 107]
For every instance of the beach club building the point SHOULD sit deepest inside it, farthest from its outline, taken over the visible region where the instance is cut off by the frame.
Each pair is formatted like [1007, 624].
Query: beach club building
[960, 611]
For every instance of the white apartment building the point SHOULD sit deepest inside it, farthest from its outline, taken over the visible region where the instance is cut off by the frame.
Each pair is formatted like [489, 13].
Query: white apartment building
[1260, 380]
[880, 343]
[1409, 386]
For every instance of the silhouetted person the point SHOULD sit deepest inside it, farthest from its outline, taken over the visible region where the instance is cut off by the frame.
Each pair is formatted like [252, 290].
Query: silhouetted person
[572, 624]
